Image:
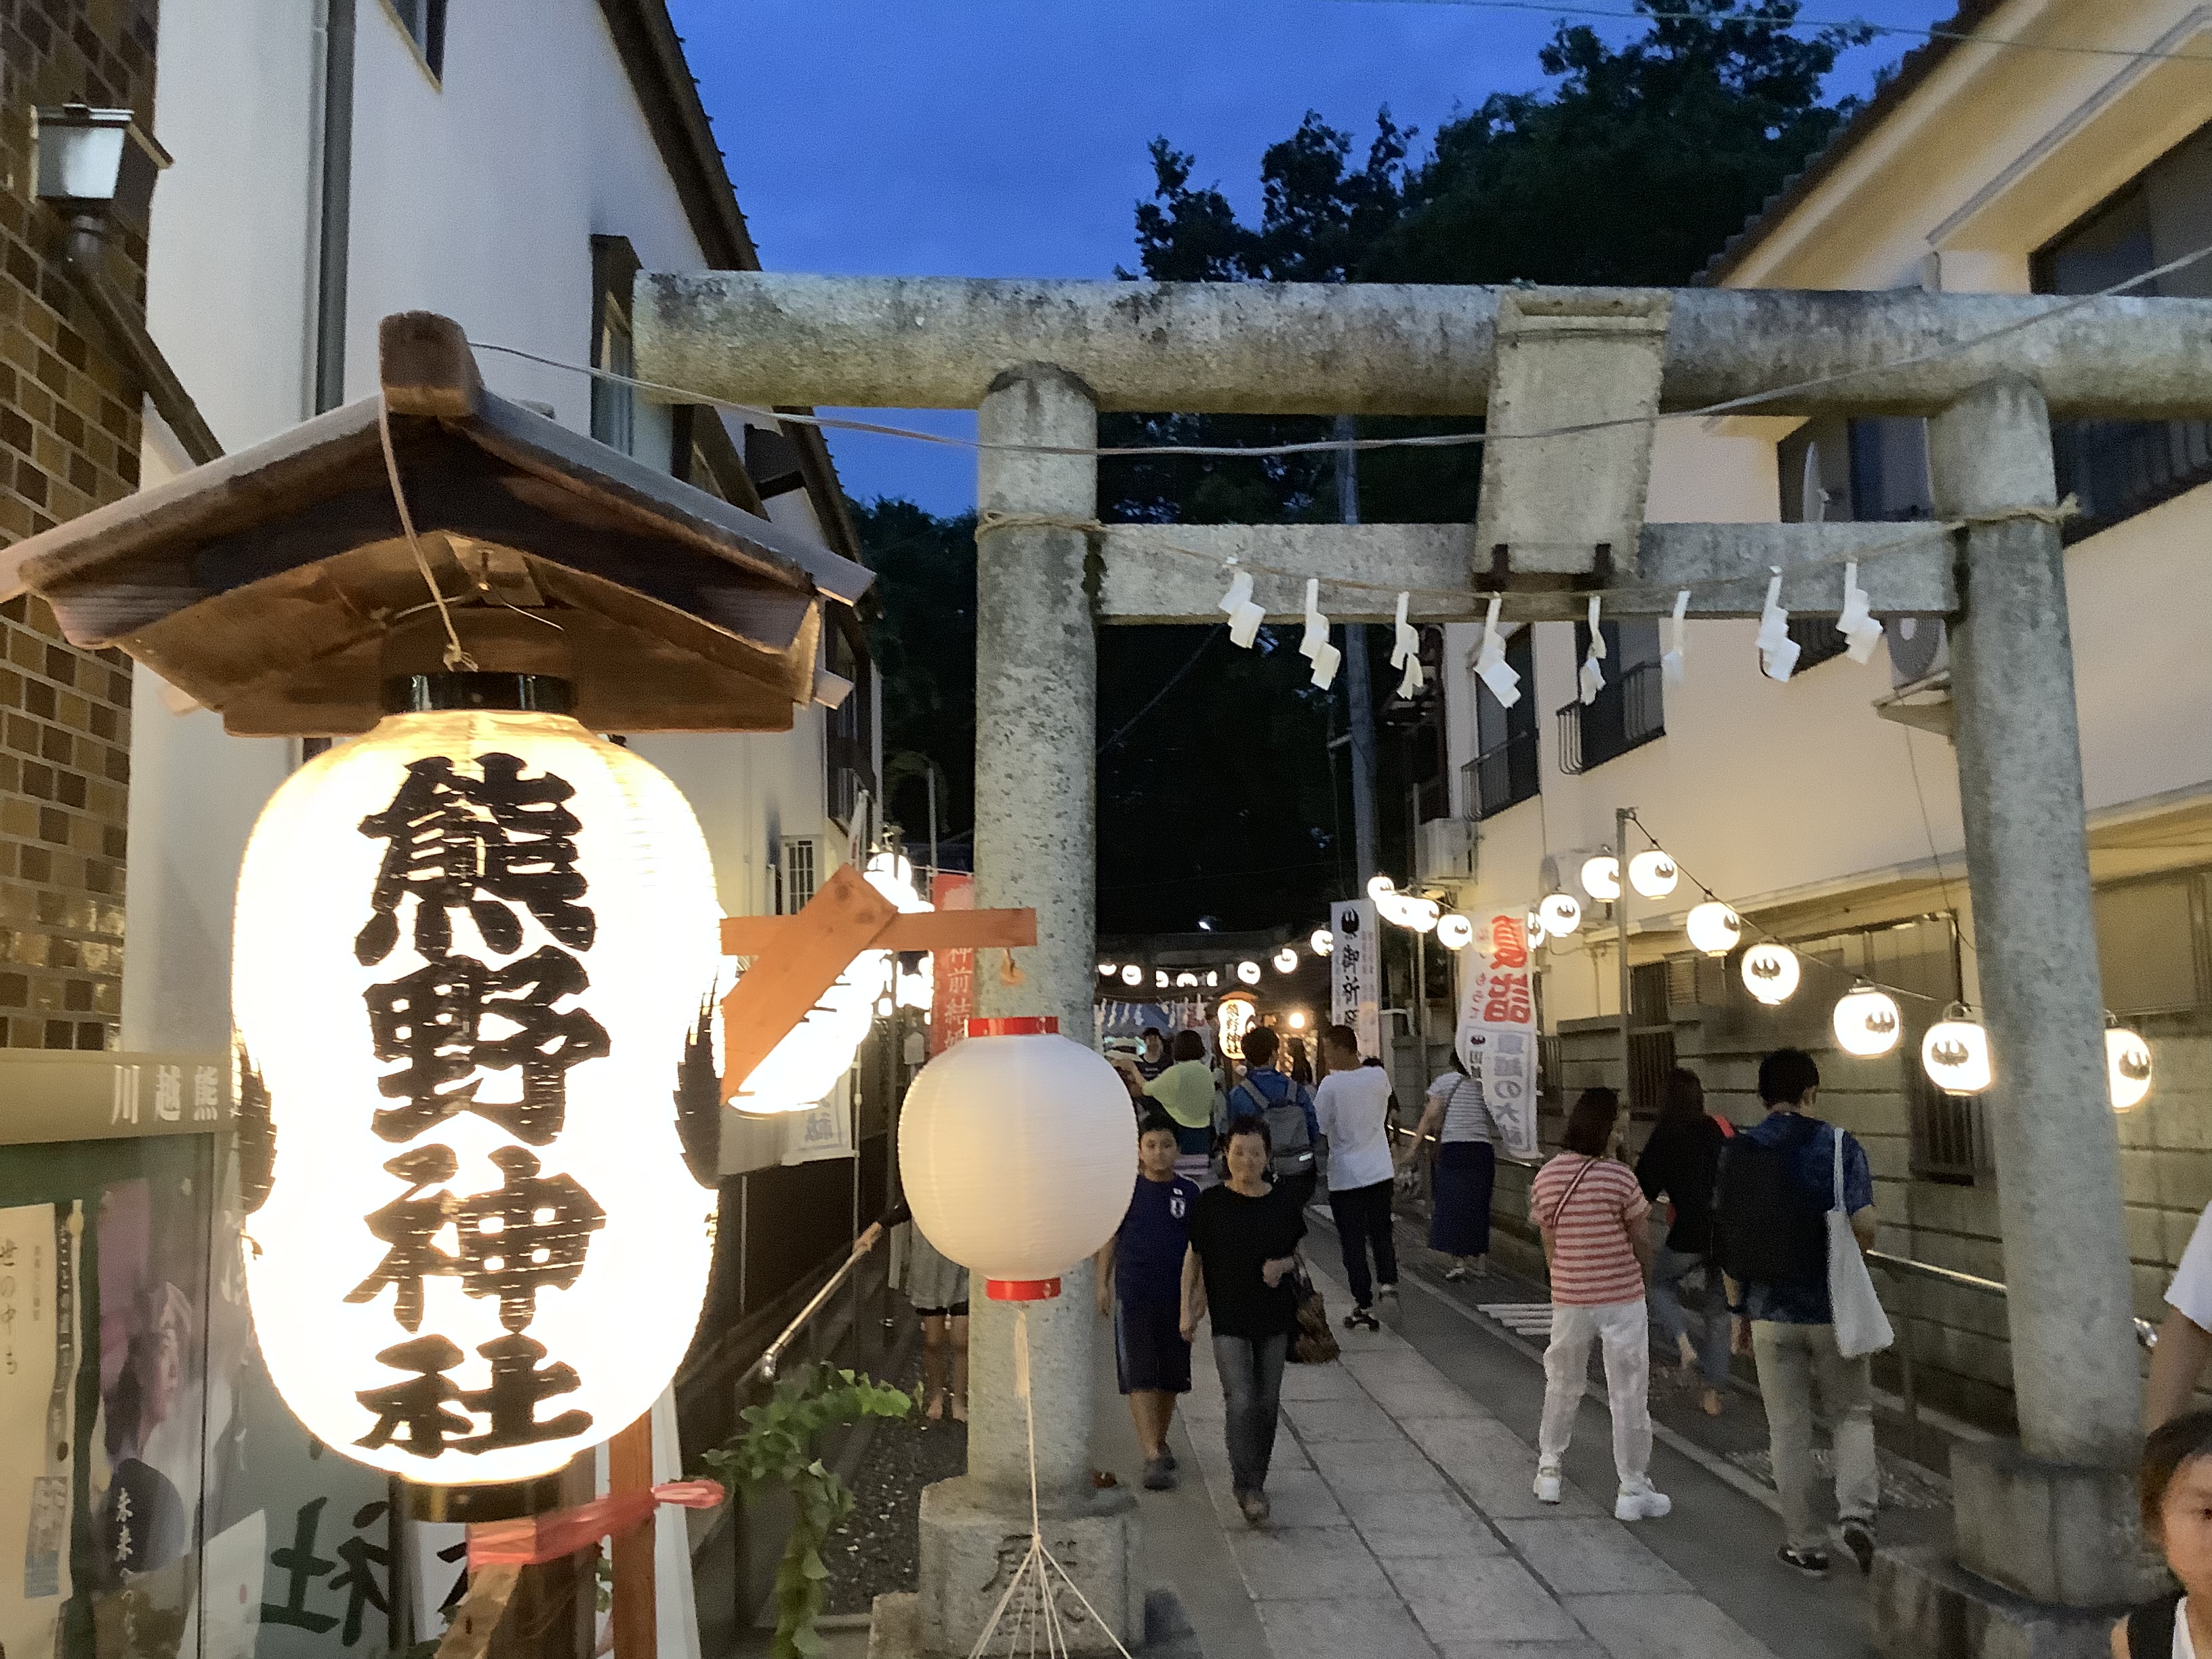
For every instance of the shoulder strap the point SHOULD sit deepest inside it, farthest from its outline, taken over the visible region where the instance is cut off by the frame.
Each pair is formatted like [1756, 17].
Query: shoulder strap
[2150, 1627]
[1560, 1208]
[1726, 1128]
[1250, 1088]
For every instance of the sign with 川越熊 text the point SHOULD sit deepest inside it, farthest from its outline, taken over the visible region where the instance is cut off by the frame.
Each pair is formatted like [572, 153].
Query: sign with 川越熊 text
[54, 1097]
[1496, 1037]
[1355, 971]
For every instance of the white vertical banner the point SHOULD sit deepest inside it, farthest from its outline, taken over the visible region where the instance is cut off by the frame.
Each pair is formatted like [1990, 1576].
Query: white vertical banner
[1497, 1038]
[1355, 972]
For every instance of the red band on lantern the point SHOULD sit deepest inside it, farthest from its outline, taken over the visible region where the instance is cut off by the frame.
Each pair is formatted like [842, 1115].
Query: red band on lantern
[1024, 1025]
[1021, 1290]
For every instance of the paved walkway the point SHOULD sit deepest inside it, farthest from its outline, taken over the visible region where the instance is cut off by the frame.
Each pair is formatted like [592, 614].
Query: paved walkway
[1403, 1523]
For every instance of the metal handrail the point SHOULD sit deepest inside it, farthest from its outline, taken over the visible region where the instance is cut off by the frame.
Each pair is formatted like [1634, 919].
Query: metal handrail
[2146, 1333]
[771, 1356]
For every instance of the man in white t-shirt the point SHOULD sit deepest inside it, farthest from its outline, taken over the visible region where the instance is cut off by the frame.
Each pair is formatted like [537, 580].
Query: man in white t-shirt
[1352, 1106]
[2184, 1340]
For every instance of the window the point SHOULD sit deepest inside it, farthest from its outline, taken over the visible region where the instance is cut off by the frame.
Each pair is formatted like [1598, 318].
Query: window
[2117, 469]
[1629, 711]
[798, 874]
[1875, 471]
[614, 405]
[2151, 943]
[425, 23]
[1650, 1038]
[1503, 772]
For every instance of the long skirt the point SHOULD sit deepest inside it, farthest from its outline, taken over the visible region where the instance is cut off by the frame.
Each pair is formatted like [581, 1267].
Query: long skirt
[1459, 1224]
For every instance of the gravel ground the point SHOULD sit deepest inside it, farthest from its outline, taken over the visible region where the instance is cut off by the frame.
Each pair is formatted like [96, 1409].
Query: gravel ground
[877, 1551]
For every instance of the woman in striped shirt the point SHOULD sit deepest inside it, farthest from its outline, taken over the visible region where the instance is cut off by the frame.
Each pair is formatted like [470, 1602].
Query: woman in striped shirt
[1465, 1169]
[1592, 1211]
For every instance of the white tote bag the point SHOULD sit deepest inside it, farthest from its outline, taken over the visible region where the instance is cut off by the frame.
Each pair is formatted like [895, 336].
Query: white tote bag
[1862, 1327]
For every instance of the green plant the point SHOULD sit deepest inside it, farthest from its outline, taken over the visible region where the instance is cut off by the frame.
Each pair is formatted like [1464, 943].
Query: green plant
[777, 1451]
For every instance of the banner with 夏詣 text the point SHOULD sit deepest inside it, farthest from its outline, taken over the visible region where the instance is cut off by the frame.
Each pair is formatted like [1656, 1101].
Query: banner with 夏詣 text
[1496, 1037]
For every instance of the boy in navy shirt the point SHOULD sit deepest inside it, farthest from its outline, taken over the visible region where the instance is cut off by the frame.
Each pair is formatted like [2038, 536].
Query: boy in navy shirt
[1140, 1284]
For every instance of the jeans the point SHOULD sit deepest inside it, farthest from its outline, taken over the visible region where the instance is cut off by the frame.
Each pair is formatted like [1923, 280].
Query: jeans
[1792, 1358]
[1363, 1220]
[1252, 1388]
[1668, 1269]
[1624, 1333]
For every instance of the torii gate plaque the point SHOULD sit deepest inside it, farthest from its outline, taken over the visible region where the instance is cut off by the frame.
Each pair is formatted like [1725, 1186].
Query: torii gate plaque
[2049, 1518]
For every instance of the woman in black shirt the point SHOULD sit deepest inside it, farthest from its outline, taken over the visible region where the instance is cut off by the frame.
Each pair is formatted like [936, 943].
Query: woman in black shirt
[1682, 1159]
[1243, 1242]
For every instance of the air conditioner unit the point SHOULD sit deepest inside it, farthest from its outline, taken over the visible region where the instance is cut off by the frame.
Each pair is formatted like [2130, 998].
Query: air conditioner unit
[1446, 847]
[1919, 650]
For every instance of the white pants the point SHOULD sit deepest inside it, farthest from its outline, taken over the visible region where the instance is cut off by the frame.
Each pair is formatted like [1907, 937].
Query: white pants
[1623, 1334]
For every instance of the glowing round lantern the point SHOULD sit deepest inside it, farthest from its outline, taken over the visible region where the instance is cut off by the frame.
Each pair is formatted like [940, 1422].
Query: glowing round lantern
[1186, 982]
[1770, 973]
[469, 947]
[1286, 961]
[1323, 941]
[1132, 976]
[1652, 873]
[1160, 980]
[1234, 1016]
[1955, 1054]
[1106, 970]
[1014, 1148]
[1297, 1019]
[1559, 914]
[1455, 932]
[1248, 972]
[1213, 980]
[1534, 924]
[1602, 878]
[1714, 928]
[1866, 1022]
[2127, 1068]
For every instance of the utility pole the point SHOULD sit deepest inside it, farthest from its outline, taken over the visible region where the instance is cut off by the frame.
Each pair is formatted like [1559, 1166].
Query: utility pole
[1359, 684]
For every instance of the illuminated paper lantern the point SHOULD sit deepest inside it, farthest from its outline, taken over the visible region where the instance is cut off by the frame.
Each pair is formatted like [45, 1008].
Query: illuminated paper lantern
[1533, 924]
[1866, 1022]
[1455, 932]
[1770, 973]
[1234, 1017]
[2127, 1068]
[1653, 874]
[1133, 975]
[1297, 1019]
[1323, 941]
[1107, 971]
[1602, 878]
[1403, 909]
[1559, 914]
[470, 947]
[1248, 972]
[1186, 980]
[1714, 928]
[1955, 1054]
[1286, 961]
[1160, 980]
[1014, 1151]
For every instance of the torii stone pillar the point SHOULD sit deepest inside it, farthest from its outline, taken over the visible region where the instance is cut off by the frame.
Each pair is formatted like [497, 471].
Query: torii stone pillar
[1037, 656]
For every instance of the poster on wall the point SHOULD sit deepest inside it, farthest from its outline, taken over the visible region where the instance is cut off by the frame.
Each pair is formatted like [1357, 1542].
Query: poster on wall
[1355, 972]
[38, 1348]
[955, 970]
[1496, 1036]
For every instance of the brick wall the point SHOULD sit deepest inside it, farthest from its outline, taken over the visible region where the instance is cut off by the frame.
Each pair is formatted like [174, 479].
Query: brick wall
[69, 442]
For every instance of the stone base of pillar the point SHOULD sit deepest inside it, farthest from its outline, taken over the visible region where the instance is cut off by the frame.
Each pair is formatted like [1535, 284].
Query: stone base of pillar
[2054, 1533]
[1927, 1607]
[971, 1543]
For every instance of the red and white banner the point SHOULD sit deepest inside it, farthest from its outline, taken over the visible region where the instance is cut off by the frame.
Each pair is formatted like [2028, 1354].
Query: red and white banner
[1496, 1037]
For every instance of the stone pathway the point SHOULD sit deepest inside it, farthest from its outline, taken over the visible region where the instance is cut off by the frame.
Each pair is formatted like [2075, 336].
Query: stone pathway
[1403, 1524]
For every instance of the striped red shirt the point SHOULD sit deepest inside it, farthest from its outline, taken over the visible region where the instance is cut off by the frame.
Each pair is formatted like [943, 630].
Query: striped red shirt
[1592, 1265]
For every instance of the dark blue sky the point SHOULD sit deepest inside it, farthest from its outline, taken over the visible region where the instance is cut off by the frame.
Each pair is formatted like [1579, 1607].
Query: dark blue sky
[1006, 137]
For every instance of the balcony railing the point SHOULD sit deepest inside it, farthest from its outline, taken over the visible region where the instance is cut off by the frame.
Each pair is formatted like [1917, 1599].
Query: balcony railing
[1628, 713]
[2117, 469]
[1504, 774]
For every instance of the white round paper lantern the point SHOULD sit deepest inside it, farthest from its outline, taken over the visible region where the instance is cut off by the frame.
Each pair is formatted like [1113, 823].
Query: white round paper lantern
[1212, 978]
[1286, 961]
[1016, 1152]
[1323, 941]
[1107, 971]
[1652, 873]
[1132, 976]
[1956, 1054]
[1248, 972]
[1714, 928]
[1455, 932]
[1186, 980]
[1601, 878]
[1559, 914]
[1534, 923]
[2127, 1068]
[471, 947]
[1867, 1021]
[1160, 980]
[1770, 973]
[1234, 1016]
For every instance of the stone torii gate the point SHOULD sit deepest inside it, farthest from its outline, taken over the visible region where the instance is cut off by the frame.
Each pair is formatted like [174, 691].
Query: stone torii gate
[2048, 1519]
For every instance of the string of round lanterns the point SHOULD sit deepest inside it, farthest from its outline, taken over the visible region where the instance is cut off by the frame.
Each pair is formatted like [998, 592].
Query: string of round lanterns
[1323, 942]
[1408, 910]
[1248, 971]
[1560, 914]
[1867, 1021]
[1770, 973]
[1653, 874]
[1286, 961]
[1955, 1053]
[1714, 928]
[1455, 932]
[1133, 975]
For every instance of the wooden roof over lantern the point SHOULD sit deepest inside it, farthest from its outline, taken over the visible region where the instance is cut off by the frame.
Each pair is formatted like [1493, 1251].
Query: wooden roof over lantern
[275, 585]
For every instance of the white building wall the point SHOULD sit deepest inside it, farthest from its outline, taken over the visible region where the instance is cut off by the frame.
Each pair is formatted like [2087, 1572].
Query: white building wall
[476, 198]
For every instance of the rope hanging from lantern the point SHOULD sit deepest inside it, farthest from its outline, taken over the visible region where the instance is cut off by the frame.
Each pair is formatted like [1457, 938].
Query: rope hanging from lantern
[1039, 1612]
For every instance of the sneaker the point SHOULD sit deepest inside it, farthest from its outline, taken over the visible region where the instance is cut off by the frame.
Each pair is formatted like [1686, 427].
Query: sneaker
[1814, 1564]
[1254, 1505]
[1159, 1474]
[1167, 1457]
[1548, 1483]
[1858, 1538]
[1641, 1503]
[1456, 1272]
[1388, 1292]
[1361, 1319]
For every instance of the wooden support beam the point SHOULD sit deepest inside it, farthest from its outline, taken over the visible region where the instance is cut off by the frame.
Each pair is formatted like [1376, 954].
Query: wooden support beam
[469, 1635]
[938, 930]
[839, 922]
[629, 1469]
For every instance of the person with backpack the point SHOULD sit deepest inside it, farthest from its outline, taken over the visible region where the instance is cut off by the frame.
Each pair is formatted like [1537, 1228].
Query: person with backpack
[1775, 1187]
[1354, 1105]
[1591, 1213]
[1285, 1107]
[1682, 1160]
